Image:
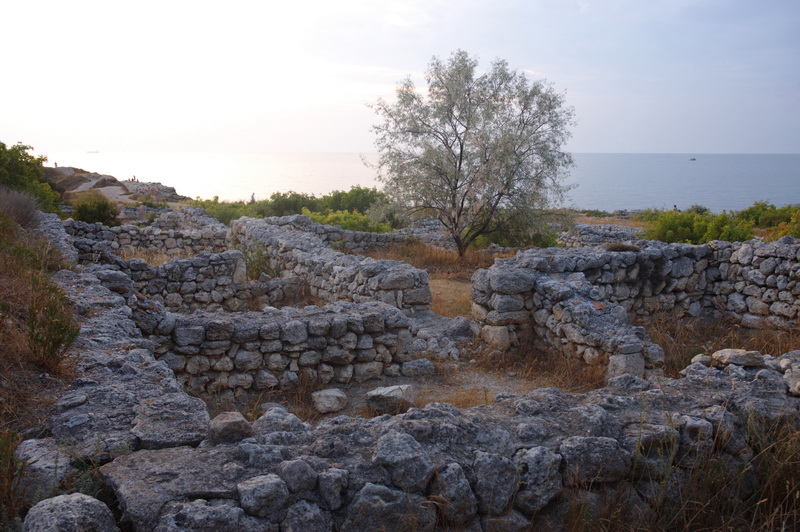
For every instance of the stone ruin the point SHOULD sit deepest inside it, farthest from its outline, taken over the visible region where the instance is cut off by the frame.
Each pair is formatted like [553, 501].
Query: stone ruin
[520, 463]
[578, 299]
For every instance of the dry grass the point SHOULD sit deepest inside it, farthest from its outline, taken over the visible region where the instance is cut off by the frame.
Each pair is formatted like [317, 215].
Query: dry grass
[437, 260]
[451, 297]
[682, 339]
[449, 274]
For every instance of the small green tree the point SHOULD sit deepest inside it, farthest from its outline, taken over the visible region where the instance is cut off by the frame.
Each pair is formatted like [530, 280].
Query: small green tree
[19, 170]
[478, 152]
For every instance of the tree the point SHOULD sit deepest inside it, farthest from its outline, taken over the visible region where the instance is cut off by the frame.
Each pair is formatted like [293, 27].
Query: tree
[19, 170]
[478, 152]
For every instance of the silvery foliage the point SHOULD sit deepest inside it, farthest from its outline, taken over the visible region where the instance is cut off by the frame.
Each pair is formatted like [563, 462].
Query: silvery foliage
[479, 151]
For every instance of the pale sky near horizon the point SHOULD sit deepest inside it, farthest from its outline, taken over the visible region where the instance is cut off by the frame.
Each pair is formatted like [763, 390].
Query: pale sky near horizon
[648, 76]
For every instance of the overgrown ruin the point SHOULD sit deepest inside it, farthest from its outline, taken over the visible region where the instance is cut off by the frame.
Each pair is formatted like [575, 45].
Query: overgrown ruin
[145, 357]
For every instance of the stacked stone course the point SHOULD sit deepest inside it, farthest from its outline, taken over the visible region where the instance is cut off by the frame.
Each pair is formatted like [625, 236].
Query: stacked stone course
[293, 247]
[186, 232]
[755, 283]
[598, 234]
[249, 351]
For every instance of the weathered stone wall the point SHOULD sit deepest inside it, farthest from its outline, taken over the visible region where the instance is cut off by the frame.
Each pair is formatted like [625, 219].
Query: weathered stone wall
[564, 310]
[755, 283]
[176, 232]
[335, 236]
[209, 281]
[212, 353]
[517, 464]
[598, 234]
[293, 246]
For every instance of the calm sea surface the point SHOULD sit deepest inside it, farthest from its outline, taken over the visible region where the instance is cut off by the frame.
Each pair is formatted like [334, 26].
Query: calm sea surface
[607, 181]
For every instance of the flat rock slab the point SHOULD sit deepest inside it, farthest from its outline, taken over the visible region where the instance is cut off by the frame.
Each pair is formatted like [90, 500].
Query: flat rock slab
[171, 421]
[146, 480]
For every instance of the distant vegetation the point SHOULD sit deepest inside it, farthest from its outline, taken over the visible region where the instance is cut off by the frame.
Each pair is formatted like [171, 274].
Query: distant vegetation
[698, 224]
[348, 209]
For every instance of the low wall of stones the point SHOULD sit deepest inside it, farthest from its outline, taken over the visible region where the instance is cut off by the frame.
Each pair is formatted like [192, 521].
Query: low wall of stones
[215, 354]
[335, 236]
[173, 233]
[209, 281]
[598, 234]
[293, 246]
[520, 463]
[755, 283]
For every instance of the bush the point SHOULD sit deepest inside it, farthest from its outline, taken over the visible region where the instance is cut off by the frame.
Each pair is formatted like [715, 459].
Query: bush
[354, 221]
[21, 171]
[693, 228]
[99, 210]
[20, 206]
[358, 198]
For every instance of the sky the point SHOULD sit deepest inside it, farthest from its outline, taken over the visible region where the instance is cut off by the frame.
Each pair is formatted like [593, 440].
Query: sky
[643, 76]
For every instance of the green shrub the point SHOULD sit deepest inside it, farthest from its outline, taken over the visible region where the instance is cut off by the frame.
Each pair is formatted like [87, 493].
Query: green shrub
[20, 170]
[699, 209]
[99, 210]
[358, 198]
[51, 328]
[693, 228]
[354, 221]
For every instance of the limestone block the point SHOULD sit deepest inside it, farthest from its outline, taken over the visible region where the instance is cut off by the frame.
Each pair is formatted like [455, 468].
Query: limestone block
[229, 427]
[248, 360]
[264, 379]
[593, 459]
[621, 364]
[739, 357]
[298, 475]
[496, 336]
[451, 486]
[70, 512]
[409, 465]
[330, 400]
[367, 370]
[391, 399]
[263, 495]
[418, 368]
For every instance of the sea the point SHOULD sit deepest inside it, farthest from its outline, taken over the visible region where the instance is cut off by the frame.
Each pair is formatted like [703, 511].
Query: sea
[602, 181]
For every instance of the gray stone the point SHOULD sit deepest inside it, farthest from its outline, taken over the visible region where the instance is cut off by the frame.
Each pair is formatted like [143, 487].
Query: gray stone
[409, 465]
[391, 399]
[496, 481]
[420, 367]
[188, 335]
[330, 400]
[263, 495]
[304, 516]
[333, 486]
[593, 459]
[229, 427]
[739, 357]
[171, 420]
[540, 479]
[298, 475]
[376, 507]
[70, 513]
[451, 487]
[367, 370]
